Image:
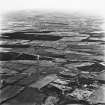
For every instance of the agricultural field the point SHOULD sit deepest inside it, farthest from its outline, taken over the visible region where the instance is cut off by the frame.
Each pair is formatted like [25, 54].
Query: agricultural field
[52, 59]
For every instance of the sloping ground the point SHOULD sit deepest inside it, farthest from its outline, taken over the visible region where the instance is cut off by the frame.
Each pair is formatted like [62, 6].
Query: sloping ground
[50, 57]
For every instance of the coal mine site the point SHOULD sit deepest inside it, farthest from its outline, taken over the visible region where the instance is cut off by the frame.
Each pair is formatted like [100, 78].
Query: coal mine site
[52, 59]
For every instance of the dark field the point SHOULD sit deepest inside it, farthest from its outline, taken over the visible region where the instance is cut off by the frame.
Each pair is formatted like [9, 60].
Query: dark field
[52, 59]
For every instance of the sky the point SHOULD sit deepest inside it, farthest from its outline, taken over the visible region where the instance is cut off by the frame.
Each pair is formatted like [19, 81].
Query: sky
[90, 6]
